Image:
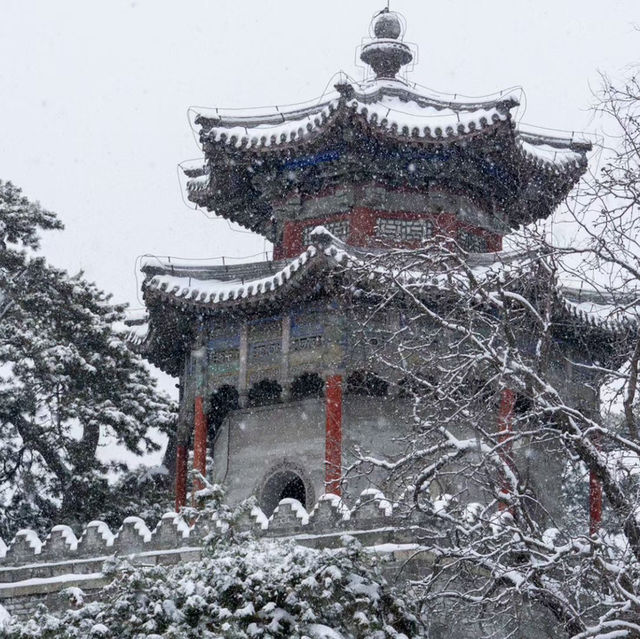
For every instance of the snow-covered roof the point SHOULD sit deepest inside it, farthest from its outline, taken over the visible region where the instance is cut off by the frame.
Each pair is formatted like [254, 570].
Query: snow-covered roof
[136, 326]
[382, 130]
[599, 309]
[393, 108]
[220, 287]
[213, 286]
[387, 104]
[253, 162]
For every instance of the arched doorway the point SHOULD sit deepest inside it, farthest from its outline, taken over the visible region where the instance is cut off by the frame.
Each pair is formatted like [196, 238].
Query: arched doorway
[284, 484]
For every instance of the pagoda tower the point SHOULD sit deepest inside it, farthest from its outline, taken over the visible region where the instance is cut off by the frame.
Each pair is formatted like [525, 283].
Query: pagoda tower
[277, 383]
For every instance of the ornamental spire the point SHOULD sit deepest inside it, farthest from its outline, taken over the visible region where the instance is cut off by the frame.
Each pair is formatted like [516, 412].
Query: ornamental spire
[386, 53]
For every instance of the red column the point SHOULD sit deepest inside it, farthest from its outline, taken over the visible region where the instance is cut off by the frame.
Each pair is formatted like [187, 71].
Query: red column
[595, 503]
[333, 441]
[181, 476]
[595, 500]
[200, 441]
[505, 415]
[505, 425]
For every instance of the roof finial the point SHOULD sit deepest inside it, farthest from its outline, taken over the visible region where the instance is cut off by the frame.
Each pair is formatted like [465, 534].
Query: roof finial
[386, 54]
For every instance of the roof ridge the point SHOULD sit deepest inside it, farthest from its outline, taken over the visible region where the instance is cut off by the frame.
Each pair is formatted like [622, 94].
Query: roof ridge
[363, 93]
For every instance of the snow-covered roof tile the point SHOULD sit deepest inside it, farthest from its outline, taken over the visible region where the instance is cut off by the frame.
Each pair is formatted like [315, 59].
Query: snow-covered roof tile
[388, 105]
[330, 252]
[216, 291]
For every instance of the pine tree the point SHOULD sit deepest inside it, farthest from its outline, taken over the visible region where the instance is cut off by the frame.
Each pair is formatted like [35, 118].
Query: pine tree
[67, 381]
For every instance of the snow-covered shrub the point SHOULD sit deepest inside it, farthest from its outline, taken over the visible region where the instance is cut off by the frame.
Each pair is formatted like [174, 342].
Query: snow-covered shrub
[267, 589]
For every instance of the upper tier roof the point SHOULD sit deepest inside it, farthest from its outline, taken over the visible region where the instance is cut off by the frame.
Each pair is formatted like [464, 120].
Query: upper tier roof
[384, 131]
[392, 107]
[387, 131]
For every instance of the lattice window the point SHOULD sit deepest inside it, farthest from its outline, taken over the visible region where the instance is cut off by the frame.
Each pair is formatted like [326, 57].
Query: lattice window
[306, 343]
[340, 229]
[221, 357]
[403, 230]
[472, 242]
[264, 350]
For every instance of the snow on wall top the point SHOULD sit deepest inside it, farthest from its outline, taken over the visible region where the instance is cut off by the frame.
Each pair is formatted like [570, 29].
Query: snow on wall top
[173, 532]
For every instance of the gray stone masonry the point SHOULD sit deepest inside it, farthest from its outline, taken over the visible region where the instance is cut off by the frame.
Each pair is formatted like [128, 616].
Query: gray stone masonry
[34, 573]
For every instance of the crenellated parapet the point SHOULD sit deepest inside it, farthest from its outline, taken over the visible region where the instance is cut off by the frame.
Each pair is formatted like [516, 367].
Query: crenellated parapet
[34, 571]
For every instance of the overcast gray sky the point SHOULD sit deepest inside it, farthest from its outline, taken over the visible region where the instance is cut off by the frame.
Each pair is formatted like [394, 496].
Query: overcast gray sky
[94, 95]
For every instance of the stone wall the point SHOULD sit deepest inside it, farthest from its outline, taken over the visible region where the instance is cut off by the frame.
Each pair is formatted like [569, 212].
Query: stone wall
[50, 572]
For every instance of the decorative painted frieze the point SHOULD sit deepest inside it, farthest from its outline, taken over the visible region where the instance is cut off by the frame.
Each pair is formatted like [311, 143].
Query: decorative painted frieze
[399, 230]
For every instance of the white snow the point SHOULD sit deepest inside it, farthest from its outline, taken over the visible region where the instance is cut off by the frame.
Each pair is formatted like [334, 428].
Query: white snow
[31, 538]
[5, 617]
[550, 154]
[39, 581]
[336, 502]
[297, 508]
[75, 595]
[320, 631]
[215, 291]
[389, 548]
[425, 121]
[99, 630]
[269, 133]
[376, 496]
[550, 536]
[261, 519]
[180, 524]
[441, 504]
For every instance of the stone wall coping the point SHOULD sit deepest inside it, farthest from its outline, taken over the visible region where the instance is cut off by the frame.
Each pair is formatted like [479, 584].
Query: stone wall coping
[54, 564]
[40, 585]
[339, 533]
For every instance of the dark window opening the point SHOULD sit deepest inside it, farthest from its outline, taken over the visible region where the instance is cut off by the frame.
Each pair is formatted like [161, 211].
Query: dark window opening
[264, 392]
[523, 405]
[366, 383]
[307, 385]
[221, 403]
[294, 490]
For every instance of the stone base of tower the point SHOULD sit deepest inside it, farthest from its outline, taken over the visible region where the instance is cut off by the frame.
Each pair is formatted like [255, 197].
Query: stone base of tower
[260, 451]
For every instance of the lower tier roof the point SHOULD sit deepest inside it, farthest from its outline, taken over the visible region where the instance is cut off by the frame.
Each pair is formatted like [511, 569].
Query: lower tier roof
[179, 295]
